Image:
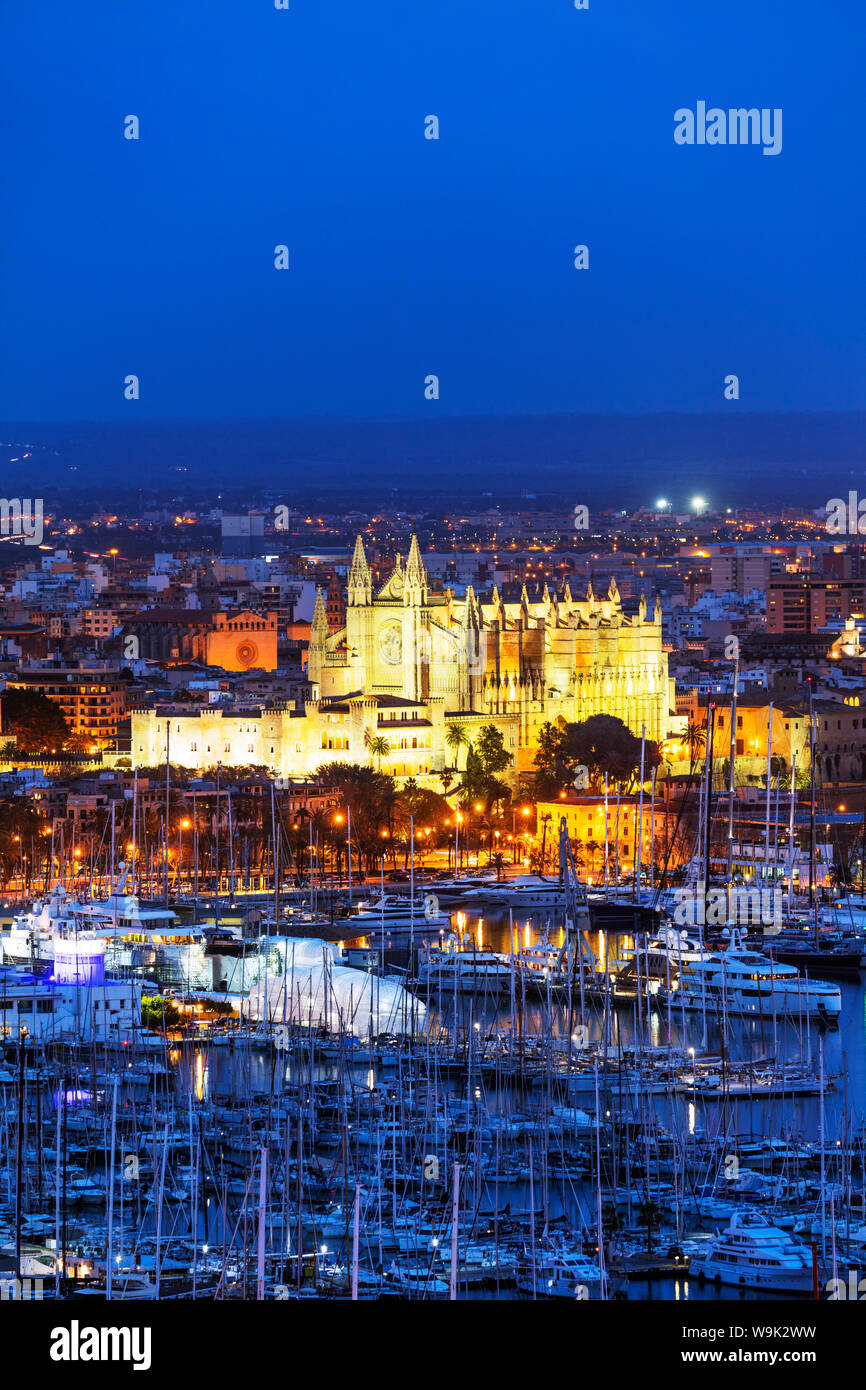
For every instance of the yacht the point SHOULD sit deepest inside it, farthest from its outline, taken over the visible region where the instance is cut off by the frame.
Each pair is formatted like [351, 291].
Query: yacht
[136, 938]
[543, 967]
[756, 1254]
[393, 912]
[530, 892]
[30, 939]
[142, 938]
[558, 1274]
[464, 972]
[743, 982]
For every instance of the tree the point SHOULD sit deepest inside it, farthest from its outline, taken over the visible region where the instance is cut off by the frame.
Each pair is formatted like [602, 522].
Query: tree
[491, 750]
[696, 740]
[550, 766]
[159, 1012]
[35, 722]
[446, 778]
[369, 796]
[602, 744]
[497, 862]
[380, 748]
[424, 809]
[456, 738]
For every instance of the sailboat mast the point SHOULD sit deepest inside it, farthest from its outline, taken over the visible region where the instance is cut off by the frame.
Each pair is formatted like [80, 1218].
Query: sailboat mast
[769, 793]
[812, 812]
[167, 796]
[711, 717]
[732, 763]
[638, 866]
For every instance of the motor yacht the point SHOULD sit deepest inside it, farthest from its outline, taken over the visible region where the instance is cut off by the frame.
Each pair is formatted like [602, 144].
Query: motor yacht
[528, 893]
[390, 912]
[464, 972]
[754, 1253]
[558, 1273]
[743, 982]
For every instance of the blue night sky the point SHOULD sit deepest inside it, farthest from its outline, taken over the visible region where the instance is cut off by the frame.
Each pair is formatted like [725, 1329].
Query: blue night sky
[410, 256]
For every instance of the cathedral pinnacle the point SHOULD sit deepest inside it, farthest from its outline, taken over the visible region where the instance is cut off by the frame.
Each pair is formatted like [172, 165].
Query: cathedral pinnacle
[319, 625]
[360, 583]
[415, 574]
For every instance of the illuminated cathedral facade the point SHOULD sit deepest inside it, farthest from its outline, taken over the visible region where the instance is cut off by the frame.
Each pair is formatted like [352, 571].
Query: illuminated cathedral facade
[409, 661]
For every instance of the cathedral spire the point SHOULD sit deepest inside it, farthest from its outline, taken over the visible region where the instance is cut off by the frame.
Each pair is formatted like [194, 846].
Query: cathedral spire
[415, 575]
[319, 634]
[360, 580]
[319, 625]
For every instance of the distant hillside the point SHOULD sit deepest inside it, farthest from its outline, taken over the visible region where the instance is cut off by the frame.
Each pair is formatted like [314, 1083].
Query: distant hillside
[733, 459]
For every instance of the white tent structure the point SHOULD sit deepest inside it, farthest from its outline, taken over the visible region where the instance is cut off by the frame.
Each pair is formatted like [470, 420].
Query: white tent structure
[314, 988]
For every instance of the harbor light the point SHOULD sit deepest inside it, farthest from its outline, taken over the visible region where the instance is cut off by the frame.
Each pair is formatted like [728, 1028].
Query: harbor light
[699, 503]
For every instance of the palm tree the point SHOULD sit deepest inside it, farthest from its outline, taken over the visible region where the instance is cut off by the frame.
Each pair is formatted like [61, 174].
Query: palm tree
[498, 863]
[696, 740]
[446, 778]
[380, 748]
[456, 738]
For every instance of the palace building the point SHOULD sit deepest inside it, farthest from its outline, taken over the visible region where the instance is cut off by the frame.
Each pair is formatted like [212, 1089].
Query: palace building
[410, 661]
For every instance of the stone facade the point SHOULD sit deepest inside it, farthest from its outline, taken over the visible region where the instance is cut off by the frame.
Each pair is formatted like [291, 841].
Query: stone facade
[409, 661]
[528, 662]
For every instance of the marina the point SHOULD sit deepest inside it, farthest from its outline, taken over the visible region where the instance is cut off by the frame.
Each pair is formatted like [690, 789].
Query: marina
[458, 1104]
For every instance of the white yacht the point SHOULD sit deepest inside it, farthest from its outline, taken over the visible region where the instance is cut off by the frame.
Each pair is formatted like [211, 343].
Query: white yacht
[741, 981]
[390, 912]
[147, 938]
[754, 1253]
[559, 1274]
[30, 939]
[464, 972]
[530, 892]
[135, 937]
